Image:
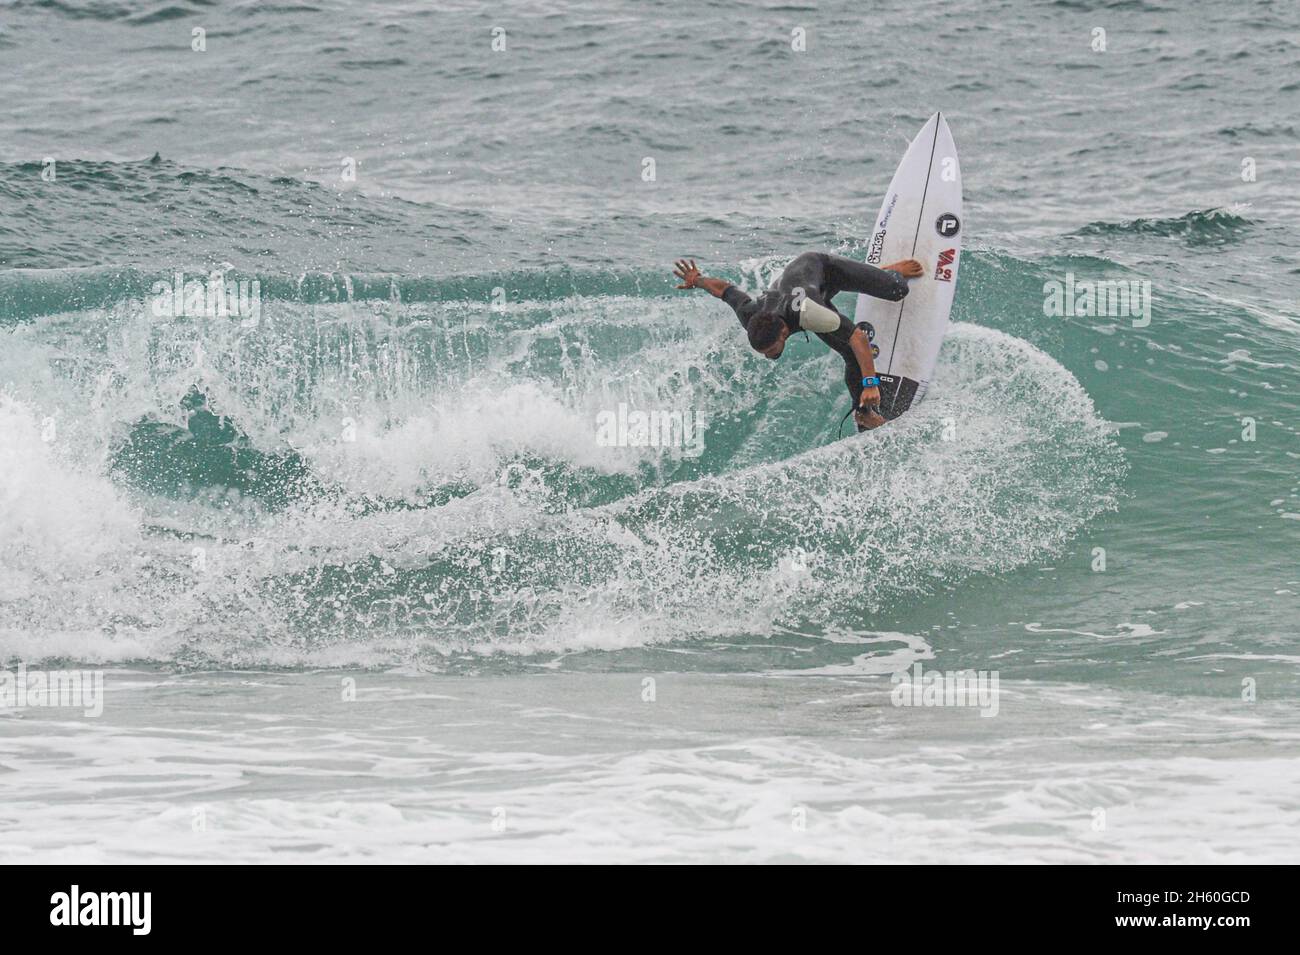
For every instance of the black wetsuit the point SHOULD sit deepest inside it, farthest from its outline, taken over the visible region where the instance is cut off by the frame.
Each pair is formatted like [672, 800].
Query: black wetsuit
[822, 276]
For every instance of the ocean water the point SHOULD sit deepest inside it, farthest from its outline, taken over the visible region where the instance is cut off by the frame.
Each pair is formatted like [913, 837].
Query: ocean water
[365, 584]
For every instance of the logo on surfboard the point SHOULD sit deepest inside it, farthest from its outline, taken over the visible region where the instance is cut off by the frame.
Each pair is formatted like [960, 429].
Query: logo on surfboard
[877, 247]
[942, 270]
[947, 225]
[882, 229]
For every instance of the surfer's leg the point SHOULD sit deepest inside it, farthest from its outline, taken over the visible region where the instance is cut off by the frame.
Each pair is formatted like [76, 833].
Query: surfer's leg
[845, 275]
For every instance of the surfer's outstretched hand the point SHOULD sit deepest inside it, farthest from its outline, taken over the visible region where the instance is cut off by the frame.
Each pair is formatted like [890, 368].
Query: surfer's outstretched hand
[687, 272]
[907, 268]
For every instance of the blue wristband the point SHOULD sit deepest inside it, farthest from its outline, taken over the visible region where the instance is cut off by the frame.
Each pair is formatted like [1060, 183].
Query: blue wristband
[871, 381]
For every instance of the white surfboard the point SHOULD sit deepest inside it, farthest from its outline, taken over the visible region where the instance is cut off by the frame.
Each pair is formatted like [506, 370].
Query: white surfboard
[919, 219]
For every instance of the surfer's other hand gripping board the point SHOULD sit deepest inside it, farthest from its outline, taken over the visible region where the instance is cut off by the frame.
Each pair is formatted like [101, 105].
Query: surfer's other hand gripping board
[891, 352]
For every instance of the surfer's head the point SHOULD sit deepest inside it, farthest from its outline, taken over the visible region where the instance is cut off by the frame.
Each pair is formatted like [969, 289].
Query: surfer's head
[767, 333]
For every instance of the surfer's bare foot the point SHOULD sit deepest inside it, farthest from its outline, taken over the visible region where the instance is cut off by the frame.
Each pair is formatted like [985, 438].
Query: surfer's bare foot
[907, 268]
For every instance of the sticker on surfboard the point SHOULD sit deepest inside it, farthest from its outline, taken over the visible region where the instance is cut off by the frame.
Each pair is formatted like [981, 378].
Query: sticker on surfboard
[920, 218]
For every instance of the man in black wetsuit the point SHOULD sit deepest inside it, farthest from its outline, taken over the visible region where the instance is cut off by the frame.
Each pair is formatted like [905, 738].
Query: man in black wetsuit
[816, 278]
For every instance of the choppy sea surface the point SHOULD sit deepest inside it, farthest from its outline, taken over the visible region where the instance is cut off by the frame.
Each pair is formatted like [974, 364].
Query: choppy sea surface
[365, 583]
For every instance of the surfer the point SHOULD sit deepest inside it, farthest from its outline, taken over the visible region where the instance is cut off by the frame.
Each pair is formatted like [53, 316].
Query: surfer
[801, 301]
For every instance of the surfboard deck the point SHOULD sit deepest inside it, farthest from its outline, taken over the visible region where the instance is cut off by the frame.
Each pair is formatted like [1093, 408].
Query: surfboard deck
[920, 218]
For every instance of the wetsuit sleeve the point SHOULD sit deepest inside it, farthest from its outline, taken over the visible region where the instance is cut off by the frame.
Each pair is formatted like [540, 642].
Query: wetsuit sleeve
[740, 303]
[839, 339]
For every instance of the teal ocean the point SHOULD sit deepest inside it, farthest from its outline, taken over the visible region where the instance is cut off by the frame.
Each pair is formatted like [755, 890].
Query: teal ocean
[390, 468]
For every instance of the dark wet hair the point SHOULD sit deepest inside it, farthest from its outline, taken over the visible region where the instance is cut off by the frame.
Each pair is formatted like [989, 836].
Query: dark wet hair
[764, 329]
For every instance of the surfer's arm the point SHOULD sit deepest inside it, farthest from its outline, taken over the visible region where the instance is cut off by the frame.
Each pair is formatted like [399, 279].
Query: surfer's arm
[740, 303]
[691, 278]
[861, 346]
[867, 413]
